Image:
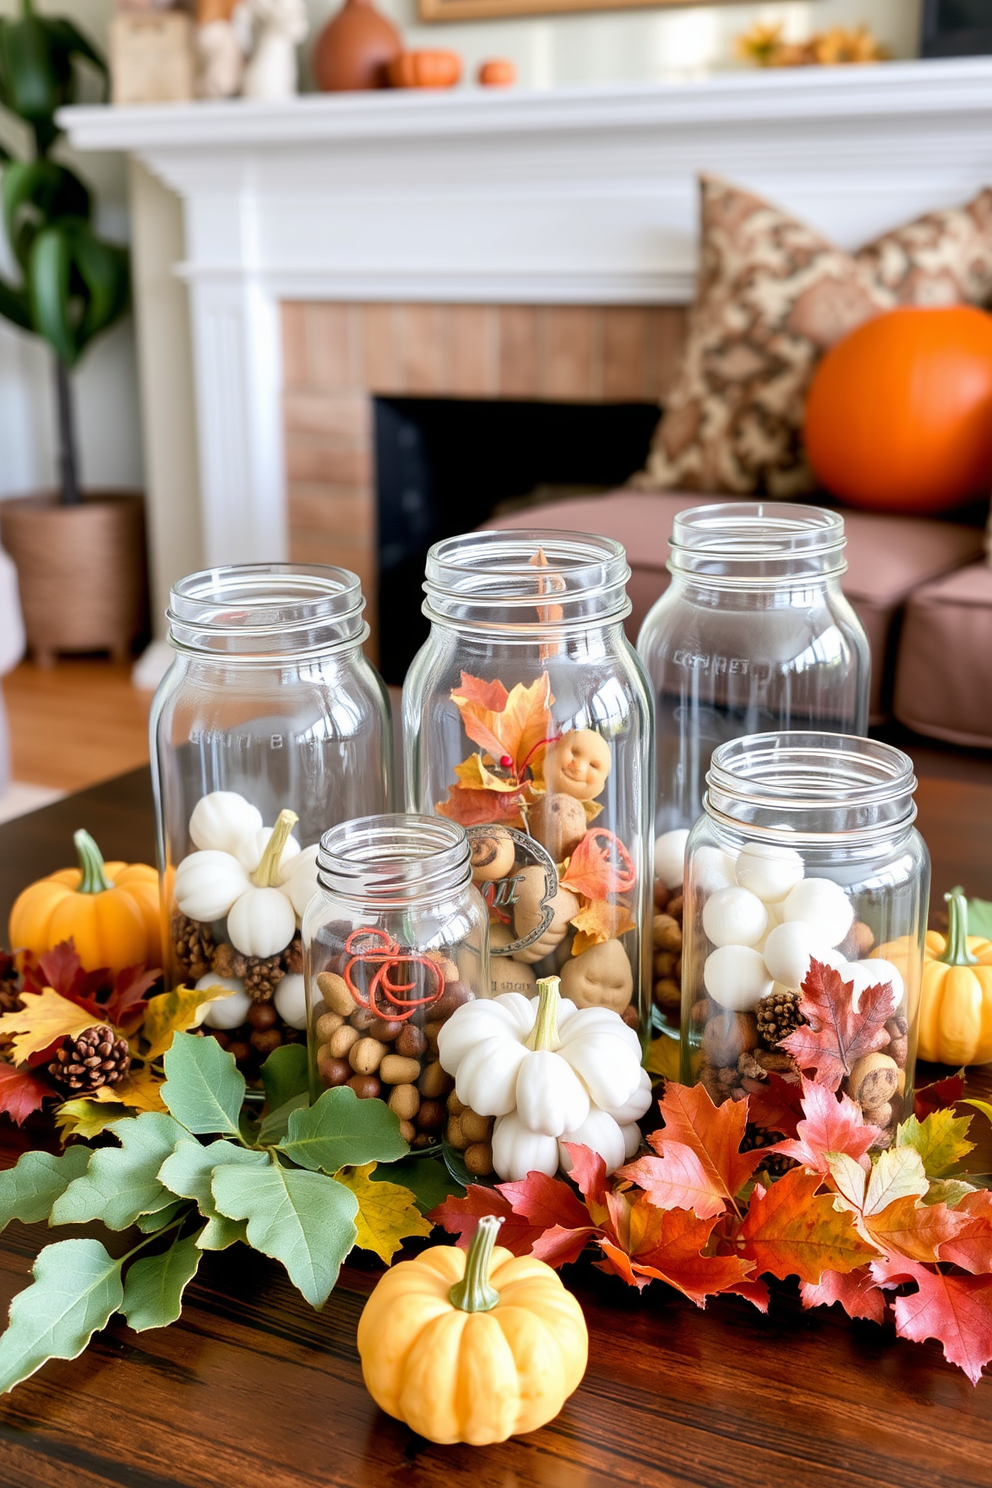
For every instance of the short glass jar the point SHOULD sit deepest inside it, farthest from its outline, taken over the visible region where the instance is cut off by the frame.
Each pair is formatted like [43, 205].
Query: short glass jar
[270, 726]
[526, 717]
[395, 940]
[806, 851]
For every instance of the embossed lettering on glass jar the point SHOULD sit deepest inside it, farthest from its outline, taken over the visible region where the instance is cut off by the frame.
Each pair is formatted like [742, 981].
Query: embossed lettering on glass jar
[396, 939]
[806, 899]
[269, 727]
[527, 719]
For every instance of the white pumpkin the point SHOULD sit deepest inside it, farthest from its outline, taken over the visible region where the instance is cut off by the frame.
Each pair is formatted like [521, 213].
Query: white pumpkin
[298, 879]
[261, 922]
[223, 821]
[518, 1151]
[291, 1000]
[208, 883]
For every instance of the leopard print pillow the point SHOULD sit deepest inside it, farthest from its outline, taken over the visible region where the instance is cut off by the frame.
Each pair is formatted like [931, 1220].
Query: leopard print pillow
[773, 295]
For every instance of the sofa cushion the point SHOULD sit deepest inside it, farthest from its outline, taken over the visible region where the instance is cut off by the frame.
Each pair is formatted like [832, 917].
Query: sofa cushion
[773, 296]
[943, 684]
[887, 559]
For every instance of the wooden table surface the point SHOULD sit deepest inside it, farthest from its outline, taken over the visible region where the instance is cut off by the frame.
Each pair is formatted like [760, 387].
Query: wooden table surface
[251, 1389]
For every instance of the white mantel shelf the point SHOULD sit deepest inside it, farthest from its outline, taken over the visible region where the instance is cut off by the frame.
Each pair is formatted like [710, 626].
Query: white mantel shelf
[569, 196]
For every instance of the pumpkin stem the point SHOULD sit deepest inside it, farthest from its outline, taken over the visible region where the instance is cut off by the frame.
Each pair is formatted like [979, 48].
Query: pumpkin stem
[956, 952]
[474, 1293]
[544, 1034]
[266, 875]
[93, 879]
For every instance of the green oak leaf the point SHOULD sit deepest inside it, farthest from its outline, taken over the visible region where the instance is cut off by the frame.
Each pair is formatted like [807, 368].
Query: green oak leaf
[220, 1232]
[203, 1088]
[340, 1131]
[150, 1224]
[187, 1170]
[122, 1183]
[427, 1178]
[275, 1124]
[304, 1220]
[941, 1139]
[75, 1292]
[285, 1074]
[154, 1286]
[29, 1189]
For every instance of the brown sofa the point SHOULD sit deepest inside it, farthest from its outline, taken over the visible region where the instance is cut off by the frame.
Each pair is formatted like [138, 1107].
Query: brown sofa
[921, 588]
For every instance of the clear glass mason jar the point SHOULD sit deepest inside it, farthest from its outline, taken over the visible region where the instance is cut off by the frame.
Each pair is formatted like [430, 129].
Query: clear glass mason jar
[395, 940]
[806, 850]
[269, 721]
[526, 717]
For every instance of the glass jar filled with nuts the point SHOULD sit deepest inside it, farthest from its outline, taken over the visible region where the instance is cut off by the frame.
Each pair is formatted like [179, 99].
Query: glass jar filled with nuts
[806, 898]
[395, 940]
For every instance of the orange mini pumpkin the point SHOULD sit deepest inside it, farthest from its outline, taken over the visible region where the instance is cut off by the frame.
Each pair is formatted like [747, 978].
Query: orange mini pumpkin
[425, 69]
[497, 73]
[110, 910]
[899, 413]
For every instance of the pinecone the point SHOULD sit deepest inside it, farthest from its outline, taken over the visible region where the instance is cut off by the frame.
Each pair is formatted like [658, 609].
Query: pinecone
[293, 956]
[755, 1137]
[96, 1057]
[777, 1016]
[193, 945]
[228, 962]
[262, 976]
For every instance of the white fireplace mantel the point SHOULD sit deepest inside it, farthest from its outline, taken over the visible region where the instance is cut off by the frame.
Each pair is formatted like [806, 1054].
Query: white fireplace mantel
[568, 196]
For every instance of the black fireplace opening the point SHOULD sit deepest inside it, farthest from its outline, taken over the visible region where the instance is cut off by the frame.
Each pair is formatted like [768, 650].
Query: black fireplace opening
[445, 465]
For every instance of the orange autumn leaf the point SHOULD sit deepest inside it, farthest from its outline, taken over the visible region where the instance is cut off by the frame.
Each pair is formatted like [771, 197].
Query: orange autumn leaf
[791, 1230]
[914, 1230]
[517, 730]
[598, 922]
[666, 1245]
[474, 775]
[474, 808]
[599, 866]
[489, 695]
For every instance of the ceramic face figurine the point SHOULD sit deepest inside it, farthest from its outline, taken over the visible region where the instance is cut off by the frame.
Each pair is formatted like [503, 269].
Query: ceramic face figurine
[577, 764]
[279, 26]
[600, 977]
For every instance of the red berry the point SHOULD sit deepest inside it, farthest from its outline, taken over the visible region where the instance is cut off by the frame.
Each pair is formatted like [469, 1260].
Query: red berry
[506, 761]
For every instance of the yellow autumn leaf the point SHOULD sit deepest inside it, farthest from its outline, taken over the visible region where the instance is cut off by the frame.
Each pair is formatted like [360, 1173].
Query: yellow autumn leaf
[46, 1018]
[386, 1212]
[473, 775]
[598, 921]
[140, 1090]
[172, 1012]
[663, 1058]
[85, 1118]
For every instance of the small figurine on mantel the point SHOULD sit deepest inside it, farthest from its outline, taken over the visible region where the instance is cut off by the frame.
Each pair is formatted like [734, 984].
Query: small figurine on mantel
[223, 41]
[278, 27]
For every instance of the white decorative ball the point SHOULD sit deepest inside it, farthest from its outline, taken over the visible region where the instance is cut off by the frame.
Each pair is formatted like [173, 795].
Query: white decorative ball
[768, 870]
[734, 917]
[712, 869]
[291, 1000]
[822, 905]
[226, 1012]
[669, 857]
[787, 950]
[735, 976]
[871, 973]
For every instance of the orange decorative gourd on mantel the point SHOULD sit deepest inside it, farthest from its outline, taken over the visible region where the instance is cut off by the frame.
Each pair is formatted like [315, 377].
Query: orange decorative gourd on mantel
[498, 72]
[425, 69]
[899, 413]
[355, 48]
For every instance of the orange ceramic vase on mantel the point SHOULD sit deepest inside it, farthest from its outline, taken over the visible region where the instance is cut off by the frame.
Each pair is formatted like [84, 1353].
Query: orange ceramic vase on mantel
[355, 49]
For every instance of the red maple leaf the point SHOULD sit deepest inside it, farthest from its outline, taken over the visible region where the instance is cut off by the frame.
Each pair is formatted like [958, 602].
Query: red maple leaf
[474, 808]
[461, 1216]
[713, 1133]
[790, 1230]
[830, 1124]
[835, 1033]
[955, 1310]
[971, 1247]
[61, 969]
[930, 1098]
[856, 1292]
[127, 1002]
[552, 1205]
[920, 1232]
[677, 1180]
[20, 1092]
[777, 1106]
[588, 1173]
[666, 1245]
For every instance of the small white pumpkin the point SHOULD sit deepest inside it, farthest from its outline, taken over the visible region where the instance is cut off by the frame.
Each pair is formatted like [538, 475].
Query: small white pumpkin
[518, 1151]
[208, 883]
[291, 1000]
[298, 879]
[223, 821]
[214, 885]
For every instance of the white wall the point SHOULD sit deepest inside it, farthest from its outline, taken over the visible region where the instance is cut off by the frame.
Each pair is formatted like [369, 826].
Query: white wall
[636, 44]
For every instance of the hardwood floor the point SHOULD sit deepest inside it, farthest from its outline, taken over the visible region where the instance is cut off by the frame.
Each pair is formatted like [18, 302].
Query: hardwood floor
[81, 722]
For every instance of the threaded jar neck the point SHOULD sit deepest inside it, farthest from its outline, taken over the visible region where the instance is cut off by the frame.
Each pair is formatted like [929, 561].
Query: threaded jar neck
[394, 858]
[267, 611]
[526, 583]
[811, 788]
[757, 544]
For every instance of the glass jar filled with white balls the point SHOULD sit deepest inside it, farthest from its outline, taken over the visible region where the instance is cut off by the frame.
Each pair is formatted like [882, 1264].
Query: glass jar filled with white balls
[395, 940]
[805, 880]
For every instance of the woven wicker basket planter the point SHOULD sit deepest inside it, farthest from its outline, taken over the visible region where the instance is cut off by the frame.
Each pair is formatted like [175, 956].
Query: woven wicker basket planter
[81, 570]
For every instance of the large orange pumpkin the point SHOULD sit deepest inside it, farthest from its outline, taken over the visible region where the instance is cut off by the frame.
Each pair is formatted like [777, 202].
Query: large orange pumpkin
[899, 414]
[425, 69]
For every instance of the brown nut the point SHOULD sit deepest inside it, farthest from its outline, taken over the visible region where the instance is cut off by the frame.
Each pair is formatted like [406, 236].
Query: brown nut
[385, 1029]
[447, 967]
[408, 1132]
[666, 932]
[334, 991]
[327, 1024]
[675, 906]
[668, 995]
[455, 994]
[332, 1071]
[265, 1040]
[559, 823]
[366, 1087]
[431, 1031]
[411, 1041]
[434, 1082]
[365, 1056]
[342, 1039]
[363, 1018]
[240, 1051]
[476, 1128]
[262, 1015]
[493, 854]
[454, 1106]
[395, 1070]
[479, 1159]
[662, 894]
[454, 1135]
[431, 1116]
[729, 1035]
[664, 963]
[405, 1101]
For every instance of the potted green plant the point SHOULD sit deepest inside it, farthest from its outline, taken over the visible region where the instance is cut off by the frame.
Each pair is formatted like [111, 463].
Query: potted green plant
[80, 559]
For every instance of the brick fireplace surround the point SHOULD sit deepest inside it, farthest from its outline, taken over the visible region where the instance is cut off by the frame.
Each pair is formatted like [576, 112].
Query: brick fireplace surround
[338, 357]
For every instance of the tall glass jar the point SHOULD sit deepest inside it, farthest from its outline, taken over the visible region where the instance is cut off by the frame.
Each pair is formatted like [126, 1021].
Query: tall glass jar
[269, 727]
[752, 634]
[526, 717]
[395, 940]
[806, 853]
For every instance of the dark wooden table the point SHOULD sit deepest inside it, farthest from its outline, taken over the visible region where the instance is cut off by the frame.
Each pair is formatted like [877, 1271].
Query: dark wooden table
[251, 1389]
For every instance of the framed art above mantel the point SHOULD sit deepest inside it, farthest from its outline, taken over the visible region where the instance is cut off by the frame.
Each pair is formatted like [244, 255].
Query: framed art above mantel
[482, 10]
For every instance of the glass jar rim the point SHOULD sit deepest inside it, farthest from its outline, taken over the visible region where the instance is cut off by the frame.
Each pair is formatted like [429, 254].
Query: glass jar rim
[757, 542]
[267, 611]
[583, 582]
[394, 856]
[799, 773]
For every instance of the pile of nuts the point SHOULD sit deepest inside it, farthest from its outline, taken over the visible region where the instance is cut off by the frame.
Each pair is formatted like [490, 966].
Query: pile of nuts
[667, 935]
[470, 1135]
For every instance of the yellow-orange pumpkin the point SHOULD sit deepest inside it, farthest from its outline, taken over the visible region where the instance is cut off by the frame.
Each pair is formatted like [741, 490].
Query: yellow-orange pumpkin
[425, 69]
[498, 72]
[899, 413]
[110, 910]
